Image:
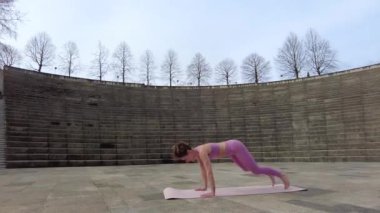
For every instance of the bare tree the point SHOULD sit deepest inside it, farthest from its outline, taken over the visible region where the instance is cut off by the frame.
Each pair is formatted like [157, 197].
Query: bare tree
[255, 68]
[291, 57]
[199, 70]
[147, 66]
[9, 17]
[320, 57]
[9, 55]
[70, 58]
[40, 50]
[122, 60]
[100, 61]
[226, 71]
[170, 67]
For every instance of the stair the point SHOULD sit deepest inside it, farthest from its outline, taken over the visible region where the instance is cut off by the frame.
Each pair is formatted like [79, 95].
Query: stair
[56, 121]
[2, 125]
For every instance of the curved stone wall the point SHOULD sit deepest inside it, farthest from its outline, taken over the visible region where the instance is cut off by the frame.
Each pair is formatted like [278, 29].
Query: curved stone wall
[59, 121]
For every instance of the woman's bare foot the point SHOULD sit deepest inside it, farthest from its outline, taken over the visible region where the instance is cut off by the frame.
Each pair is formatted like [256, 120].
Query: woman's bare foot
[272, 179]
[285, 180]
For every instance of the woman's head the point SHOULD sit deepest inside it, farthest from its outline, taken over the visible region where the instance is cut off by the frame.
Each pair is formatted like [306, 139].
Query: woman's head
[183, 151]
[180, 149]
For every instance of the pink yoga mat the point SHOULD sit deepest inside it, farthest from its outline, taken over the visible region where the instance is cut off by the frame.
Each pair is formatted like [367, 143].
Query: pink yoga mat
[172, 193]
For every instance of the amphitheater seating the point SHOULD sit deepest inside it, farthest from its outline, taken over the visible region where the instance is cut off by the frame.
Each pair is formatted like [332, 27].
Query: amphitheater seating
[52, 120]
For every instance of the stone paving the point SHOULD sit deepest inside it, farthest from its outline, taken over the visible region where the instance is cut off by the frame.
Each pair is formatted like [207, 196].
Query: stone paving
[332, 187]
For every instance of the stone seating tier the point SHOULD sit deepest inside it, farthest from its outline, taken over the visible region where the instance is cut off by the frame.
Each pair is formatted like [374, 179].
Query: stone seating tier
[51, 120]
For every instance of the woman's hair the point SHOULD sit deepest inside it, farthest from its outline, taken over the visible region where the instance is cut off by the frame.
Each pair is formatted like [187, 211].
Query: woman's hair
[180, 149]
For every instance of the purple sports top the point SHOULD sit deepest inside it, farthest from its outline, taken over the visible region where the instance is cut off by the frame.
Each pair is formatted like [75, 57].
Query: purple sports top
[214, 150]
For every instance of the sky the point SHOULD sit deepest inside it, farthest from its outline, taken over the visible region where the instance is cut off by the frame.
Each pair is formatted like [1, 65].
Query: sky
[218, 29]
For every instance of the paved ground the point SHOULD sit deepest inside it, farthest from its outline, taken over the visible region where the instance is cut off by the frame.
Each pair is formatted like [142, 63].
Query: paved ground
[333, 187]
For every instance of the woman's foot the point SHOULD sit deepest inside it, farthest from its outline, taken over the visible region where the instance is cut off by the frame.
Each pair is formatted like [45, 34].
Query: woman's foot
[285, 180]
[272, 179]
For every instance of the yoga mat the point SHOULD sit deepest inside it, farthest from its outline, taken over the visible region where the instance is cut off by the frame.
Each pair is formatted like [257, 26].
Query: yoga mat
[172, 193]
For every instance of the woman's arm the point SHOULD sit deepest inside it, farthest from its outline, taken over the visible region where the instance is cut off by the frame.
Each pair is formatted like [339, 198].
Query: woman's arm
[204, 177]
[209, 173]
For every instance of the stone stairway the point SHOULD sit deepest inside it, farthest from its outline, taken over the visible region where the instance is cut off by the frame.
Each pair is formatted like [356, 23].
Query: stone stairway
[2, 124]
[59, 121]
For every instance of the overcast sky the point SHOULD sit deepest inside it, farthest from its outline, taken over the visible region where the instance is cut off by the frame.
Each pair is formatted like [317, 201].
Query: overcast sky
[218, 29]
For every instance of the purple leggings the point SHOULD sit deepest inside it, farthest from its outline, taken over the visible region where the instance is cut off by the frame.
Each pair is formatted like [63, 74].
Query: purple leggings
[240, 155]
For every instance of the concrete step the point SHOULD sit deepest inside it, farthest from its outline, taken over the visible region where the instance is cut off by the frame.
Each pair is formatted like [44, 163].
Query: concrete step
[97, 150]
[55, 163]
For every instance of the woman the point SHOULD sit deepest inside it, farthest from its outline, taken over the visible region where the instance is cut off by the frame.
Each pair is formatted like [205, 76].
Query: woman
[233, 149]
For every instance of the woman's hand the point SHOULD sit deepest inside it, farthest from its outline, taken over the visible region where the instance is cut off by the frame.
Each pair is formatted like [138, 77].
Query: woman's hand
[201, 189]
[208, 195]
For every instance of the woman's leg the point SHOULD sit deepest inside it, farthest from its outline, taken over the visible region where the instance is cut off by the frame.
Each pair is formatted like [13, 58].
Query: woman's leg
[237, 162]
[243, 158]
